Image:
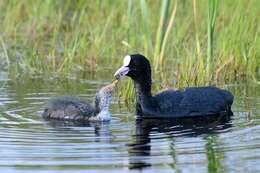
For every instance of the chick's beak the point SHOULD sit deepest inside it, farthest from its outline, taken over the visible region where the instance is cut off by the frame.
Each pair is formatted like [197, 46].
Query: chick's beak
[121, 72]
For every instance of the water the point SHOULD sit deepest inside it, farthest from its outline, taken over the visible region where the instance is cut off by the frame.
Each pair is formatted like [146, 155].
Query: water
[30, 144]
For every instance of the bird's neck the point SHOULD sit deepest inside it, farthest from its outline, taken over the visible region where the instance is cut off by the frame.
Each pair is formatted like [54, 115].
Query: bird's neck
[143, 90]
[102, 103]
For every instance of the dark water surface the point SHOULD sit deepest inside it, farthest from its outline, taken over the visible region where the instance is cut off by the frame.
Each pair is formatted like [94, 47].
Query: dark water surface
[30, 144]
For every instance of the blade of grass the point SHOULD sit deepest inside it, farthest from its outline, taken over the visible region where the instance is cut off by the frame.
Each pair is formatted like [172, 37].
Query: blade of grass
[161, 31]
[146, 26]
[169, 27]
[5, 51]
[212, 13]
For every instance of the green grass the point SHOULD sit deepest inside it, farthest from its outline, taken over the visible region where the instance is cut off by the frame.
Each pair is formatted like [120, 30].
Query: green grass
[190, 42]
[212, 15]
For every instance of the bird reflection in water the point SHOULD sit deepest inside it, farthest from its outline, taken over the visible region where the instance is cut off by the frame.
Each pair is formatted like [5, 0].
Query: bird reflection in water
[101, 130]
[140, 149]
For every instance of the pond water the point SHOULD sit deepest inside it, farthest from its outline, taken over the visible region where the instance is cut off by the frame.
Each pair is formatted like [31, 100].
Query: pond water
[29, 144]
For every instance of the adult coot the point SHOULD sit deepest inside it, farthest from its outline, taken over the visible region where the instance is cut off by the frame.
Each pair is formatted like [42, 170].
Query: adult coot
[189, 102]
[70, 108]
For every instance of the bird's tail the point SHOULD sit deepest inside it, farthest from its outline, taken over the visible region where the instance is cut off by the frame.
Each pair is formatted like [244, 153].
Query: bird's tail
[229, 97]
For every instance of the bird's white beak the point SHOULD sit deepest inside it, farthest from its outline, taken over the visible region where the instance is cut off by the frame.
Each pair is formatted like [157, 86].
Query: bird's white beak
[121, 72]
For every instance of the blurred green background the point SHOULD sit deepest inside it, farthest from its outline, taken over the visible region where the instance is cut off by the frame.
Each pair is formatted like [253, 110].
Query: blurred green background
[189, 42]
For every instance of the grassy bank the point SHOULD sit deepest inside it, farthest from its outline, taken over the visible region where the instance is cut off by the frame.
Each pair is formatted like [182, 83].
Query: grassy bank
[189, 42]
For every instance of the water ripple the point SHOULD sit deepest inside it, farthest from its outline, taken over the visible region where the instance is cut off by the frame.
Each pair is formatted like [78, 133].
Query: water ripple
[29, 143]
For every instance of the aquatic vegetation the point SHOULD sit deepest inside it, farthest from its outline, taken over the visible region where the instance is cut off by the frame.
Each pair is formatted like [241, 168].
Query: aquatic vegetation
[189, 42]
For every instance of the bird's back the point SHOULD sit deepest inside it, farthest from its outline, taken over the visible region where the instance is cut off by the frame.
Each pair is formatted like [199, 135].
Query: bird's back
[68, 108]
[194, 102]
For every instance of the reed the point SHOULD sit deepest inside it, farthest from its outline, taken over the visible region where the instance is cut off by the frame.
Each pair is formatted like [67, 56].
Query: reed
[212, 14]
[161, 30]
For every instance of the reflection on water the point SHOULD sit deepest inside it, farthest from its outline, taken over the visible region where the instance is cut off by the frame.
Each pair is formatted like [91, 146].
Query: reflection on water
[28, 143]
[170, 129]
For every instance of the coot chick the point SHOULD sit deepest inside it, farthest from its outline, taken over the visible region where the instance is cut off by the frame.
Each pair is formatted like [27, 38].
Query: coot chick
[190, 102]
[73, 109]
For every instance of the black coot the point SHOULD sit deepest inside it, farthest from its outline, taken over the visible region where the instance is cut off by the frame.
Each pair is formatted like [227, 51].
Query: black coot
[190, 102]
[73, 109]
